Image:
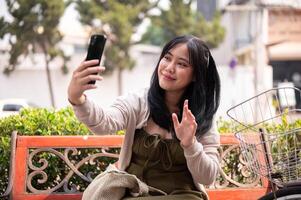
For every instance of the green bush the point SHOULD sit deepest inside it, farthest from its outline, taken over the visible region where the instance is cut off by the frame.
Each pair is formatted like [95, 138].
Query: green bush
[42, 121]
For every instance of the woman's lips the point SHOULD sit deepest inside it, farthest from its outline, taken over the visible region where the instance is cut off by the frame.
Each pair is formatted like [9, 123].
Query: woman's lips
[167, 77]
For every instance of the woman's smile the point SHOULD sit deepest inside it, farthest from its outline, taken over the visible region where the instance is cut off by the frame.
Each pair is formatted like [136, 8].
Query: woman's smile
[168, 77]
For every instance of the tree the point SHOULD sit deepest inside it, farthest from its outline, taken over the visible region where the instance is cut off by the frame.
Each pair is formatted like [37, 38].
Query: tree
[118, 19]
[180, 19]
[33, 29]
[154, 35]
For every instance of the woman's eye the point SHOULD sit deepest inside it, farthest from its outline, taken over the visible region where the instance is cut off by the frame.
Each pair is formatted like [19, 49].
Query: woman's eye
[166, 57]
[182, 64]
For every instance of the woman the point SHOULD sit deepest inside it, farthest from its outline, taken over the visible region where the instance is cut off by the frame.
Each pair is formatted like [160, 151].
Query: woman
[171, 138]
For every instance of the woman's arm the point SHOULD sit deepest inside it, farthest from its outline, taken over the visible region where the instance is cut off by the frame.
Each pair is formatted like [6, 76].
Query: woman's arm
[80, 81]
[97, 120]
[101, 121]
[130, 109]
[203, 158]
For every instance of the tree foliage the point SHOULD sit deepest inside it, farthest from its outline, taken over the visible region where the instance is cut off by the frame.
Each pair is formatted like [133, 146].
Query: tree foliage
[154, 35]
[32, 29]
[181, 19]
[118, 20]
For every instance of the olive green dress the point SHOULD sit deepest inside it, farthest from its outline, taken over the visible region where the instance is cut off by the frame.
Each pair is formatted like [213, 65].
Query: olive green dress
[161, 163]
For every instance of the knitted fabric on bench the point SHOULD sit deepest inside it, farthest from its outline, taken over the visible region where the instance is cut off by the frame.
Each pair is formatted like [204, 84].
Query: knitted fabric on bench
[113, 183]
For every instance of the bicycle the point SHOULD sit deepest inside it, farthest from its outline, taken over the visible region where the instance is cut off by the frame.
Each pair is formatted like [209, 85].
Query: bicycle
[269, 133]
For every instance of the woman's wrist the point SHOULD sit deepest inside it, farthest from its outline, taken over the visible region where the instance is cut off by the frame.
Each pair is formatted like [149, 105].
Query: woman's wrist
[78, 102]
[188, 144]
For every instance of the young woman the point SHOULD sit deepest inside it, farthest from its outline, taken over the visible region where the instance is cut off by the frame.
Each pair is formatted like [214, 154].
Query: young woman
[171, 137]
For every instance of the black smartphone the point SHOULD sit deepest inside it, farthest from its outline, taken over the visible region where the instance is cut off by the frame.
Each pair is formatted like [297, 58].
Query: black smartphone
[95, 49]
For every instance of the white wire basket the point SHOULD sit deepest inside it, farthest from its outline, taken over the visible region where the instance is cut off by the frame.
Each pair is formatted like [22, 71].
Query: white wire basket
[268, 127]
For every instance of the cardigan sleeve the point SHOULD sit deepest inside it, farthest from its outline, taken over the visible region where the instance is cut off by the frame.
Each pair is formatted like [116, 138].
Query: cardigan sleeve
[203, 157]
[126, 108]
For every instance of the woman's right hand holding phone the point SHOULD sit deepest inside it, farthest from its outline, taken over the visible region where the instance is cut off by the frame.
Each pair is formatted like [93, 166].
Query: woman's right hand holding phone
[86, 72]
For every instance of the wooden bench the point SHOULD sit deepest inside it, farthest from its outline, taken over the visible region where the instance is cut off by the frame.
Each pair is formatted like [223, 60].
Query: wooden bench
[25, 148]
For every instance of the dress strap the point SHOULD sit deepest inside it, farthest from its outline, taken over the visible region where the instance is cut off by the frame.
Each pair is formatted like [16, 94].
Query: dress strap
[157, 145]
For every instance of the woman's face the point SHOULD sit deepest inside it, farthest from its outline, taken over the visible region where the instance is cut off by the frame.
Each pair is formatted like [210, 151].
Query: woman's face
[175, 72]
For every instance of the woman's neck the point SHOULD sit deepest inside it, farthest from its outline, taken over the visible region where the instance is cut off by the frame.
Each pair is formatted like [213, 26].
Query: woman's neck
[171, 100]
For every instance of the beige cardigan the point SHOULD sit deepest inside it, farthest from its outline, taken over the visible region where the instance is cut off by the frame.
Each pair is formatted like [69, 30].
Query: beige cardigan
[131, 112]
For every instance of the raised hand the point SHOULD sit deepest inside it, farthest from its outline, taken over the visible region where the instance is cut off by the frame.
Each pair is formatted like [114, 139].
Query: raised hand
[80, 79]
[185, 131]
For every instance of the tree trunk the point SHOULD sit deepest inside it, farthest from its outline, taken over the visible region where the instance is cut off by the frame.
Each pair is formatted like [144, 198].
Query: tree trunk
[49, 82]
[119, 81]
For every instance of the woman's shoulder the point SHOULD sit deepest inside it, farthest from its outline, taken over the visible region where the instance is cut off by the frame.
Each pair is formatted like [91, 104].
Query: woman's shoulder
[134, 100]
[135, 96]
[140, 93]
[135, 103]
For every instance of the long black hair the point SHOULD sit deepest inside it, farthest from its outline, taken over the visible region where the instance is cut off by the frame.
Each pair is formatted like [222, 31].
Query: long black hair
[203, 93]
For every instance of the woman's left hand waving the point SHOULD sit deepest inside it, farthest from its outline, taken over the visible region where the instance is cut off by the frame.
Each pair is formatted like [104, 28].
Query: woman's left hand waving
[186, 129]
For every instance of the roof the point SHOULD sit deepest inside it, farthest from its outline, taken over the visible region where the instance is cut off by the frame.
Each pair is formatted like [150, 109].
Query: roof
[268, 3]
[285, 51]
[286, 3]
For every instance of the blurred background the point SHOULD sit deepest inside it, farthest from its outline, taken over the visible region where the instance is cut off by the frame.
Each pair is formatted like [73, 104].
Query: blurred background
[255, 43]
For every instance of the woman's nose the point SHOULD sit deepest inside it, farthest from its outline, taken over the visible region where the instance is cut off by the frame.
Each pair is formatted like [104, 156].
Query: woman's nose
[170, 67]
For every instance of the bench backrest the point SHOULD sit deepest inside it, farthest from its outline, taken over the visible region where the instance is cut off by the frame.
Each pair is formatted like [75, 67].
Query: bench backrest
[29, 146]
[24, 143]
